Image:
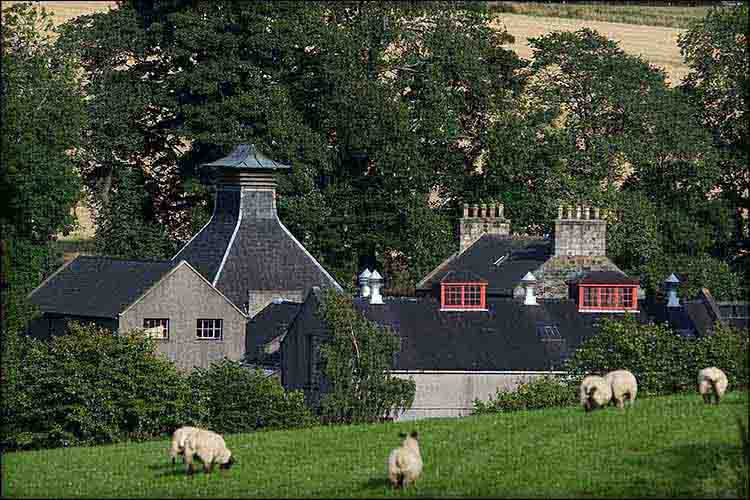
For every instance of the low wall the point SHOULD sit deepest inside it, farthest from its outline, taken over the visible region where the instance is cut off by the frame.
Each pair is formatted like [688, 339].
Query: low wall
[449, 393]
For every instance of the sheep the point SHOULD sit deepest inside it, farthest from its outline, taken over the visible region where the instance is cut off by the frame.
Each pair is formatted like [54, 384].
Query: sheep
[178, 442]
[595, 392]
[210, 448]
[712, 380]
[405, 462]
[623, 383]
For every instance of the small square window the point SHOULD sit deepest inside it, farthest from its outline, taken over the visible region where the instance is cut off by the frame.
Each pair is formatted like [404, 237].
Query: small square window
[157, 328]
[209, 329]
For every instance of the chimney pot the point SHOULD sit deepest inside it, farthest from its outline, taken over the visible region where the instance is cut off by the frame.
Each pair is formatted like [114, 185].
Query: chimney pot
[596, 212]
[501, 211]
[578, 212]
[475, 210]
[376, 281]
[587, 212]
[560, 212]
[466, 210]
[569, 212]
[492, 211]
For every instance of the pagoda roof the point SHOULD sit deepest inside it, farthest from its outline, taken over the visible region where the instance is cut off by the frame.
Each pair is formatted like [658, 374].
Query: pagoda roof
[247, 157]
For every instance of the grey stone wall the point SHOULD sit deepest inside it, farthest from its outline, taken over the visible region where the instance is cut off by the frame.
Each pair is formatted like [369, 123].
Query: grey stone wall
[479, 220]
[554, 275]
[184, 297]
[259, 299]
[579, 231]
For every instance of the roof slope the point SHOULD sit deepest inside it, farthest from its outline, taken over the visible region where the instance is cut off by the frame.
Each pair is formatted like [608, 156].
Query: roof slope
[98, 286]
[501, 260]
[505, 338]
[270, 323]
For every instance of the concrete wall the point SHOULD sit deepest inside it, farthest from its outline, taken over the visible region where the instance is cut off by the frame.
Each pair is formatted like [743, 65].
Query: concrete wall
[452, 394]
[259, 299]
[184, 297]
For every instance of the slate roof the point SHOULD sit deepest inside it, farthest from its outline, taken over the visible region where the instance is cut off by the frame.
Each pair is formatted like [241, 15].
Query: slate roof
[100, 287]
[247, 157]
[520, 257]
[504, 338]
[269, 324]
[462, 277]
[607, 277]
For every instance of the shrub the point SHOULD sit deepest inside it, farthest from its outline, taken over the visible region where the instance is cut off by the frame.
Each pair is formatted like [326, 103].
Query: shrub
[662, 362]
[542, 392]
[92, 387]
[242, 400]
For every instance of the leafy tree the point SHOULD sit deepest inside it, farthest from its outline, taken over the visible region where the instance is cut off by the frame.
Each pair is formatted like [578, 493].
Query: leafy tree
[42, 120]
[376, 104]
[356, 361]
[716, 50]
[694, 272]
[591, 120]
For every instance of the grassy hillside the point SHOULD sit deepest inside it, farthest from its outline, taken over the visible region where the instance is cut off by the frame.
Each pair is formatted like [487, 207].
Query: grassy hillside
[662, 447]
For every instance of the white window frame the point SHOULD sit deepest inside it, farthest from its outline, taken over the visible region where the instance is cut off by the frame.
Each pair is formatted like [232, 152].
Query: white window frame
[209, 329]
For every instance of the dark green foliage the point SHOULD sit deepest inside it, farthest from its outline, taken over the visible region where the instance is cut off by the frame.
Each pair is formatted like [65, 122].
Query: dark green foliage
[42, 119]
[356, 361]
[92, 387]
[694, 273]
[374, 103]
[716, 50]
[242, 400]
[121, 229]
[661, 361]
[541, 392]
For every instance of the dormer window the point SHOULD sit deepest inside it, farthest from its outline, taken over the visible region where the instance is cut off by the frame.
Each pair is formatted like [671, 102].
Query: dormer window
[463, 291]
[606, 291]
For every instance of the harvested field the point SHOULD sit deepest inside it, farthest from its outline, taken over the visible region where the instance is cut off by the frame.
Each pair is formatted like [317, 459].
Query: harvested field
[657, 44]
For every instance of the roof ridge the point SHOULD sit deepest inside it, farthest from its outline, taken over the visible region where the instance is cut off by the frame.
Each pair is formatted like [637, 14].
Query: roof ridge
[119, 259]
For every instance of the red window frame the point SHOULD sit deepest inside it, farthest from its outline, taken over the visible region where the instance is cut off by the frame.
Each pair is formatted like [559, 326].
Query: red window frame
[463, 296]
[607, 297]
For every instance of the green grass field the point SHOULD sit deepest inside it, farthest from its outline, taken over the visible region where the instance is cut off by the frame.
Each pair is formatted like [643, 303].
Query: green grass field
[672, 17]
[662, 447]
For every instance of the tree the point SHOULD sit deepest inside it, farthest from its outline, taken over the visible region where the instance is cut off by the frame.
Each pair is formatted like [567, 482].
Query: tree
[376, 104]
[591, 120]
[695, 272]
[42, 121]
[716, 50]
[356, 363]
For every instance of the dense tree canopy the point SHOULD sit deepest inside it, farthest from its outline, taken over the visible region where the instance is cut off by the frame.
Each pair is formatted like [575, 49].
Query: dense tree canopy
[376, 104]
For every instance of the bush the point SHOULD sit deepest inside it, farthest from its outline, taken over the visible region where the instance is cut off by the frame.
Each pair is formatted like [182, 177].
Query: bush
[243, 400]
[662, 362]
[542, 392]
[92, 387]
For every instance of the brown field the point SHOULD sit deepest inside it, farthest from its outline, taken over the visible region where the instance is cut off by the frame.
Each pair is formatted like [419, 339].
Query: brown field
[657, 44]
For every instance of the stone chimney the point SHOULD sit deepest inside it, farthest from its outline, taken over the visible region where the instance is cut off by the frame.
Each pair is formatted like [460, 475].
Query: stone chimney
[580, 231]
[478, 220]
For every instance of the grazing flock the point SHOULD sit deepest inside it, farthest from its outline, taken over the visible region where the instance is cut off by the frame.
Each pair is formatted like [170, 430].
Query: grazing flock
[405, 462]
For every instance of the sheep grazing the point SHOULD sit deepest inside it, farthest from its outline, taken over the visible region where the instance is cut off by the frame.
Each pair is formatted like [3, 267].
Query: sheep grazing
[623, 384]
[209, 447]
[712, 381]
[405, 462]
[595, 392]
[178, 442]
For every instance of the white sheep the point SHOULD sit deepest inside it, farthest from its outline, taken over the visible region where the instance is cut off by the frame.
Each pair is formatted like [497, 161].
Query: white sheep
[595, 392]
[623, 384]
[405, 462]
[712, 381]
[178, 441]
[210, 448]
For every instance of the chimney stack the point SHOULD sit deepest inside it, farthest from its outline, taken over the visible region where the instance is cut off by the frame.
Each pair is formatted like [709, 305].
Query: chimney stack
[479, 220]
[580, 232]
[376, 281]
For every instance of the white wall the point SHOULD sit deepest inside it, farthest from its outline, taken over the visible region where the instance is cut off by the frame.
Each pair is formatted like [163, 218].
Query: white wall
[452, 393]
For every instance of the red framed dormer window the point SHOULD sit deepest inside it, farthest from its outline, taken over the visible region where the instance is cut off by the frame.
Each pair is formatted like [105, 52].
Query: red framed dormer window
[607, 298]
[463, 296]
